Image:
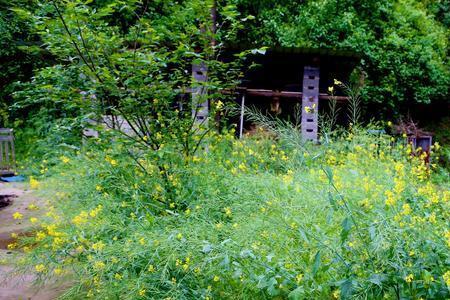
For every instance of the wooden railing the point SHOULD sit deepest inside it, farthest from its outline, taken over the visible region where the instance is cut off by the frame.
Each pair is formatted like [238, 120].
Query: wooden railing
[7, 152]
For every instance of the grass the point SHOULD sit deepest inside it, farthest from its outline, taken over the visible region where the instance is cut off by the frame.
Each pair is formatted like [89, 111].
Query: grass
[246, 219]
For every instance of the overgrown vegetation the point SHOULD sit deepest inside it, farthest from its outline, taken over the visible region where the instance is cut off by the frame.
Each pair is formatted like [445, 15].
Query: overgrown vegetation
[173, 208]
[247, 219]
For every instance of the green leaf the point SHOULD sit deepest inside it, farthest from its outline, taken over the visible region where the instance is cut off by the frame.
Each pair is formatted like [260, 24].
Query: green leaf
[346, 289]
[329, 174]
[332, 201]
[377, 279]
[297, 294]
[316, 264]
[346, 226]
[372, 232]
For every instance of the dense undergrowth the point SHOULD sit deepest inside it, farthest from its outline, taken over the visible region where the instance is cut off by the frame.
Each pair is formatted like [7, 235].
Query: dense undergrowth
[256, 218]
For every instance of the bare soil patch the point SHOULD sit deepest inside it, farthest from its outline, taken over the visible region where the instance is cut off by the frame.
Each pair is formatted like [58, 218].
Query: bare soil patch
[15, 197]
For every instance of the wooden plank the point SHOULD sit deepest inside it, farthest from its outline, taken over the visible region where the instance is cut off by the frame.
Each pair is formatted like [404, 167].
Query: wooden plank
[241, 123]
[2, 160]
[281, 94]
[7, 152]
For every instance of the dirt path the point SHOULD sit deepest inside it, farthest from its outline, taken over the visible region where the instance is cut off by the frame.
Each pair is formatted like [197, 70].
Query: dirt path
[13, 286]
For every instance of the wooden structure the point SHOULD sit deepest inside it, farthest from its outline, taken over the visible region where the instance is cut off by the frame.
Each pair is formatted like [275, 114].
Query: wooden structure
[310, 103]
[284, 78]
[290, 77]
[7, 152]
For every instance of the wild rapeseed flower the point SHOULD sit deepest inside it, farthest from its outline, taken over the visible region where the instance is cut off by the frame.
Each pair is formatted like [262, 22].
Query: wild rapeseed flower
[17, 216]
[446, 277]
[227, 211]
[40, 268]
[34, 184]
[64, 159]
[409, 278]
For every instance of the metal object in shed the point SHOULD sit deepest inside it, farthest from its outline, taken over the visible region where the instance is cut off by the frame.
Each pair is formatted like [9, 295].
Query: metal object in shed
[7, 152]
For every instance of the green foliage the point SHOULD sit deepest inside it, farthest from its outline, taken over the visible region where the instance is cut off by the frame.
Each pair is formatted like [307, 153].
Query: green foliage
[19, 54]
[403, 44]
[129, 60]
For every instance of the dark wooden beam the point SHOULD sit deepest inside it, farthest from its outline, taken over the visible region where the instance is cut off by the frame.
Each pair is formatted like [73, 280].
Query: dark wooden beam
[281, 94]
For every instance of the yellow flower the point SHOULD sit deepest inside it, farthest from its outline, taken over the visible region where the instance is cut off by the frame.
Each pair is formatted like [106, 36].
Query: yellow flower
[432, 218]
[446, 277]
[93, 213]
[39, 268]
[98, 265]
[98, 246]
[142, 292]
[337, 82]
[64, 159]
[216, 278]
[80, 219]
[142, 241]
[12, 246]
[409, 278]
[227, 211]
[151, 268]
[299, 278]
[57, 271]
[406, 209]
[40, 235]
[219, 104]
[118, 276]
[179, 236]
[34, 184]
[390, 199]
[331, 89]
[32, 207]
[17, 216]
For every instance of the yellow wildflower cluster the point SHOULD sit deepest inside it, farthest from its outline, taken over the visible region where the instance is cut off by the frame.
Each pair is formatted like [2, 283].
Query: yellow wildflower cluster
[184, 264]
[409, 278]
[65, 159]
[17, 216]
[111, 161]
[446, 277]
[34, 184]
[83, 216]
[99, 246]
[310, 109]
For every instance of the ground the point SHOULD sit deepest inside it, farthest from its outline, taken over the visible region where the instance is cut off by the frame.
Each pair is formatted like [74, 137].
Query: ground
[15, 286]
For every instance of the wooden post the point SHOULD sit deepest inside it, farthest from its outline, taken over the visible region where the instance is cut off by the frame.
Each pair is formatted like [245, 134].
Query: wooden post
[241, 123]
[7, 152]
[200, 103]
[310, 103]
